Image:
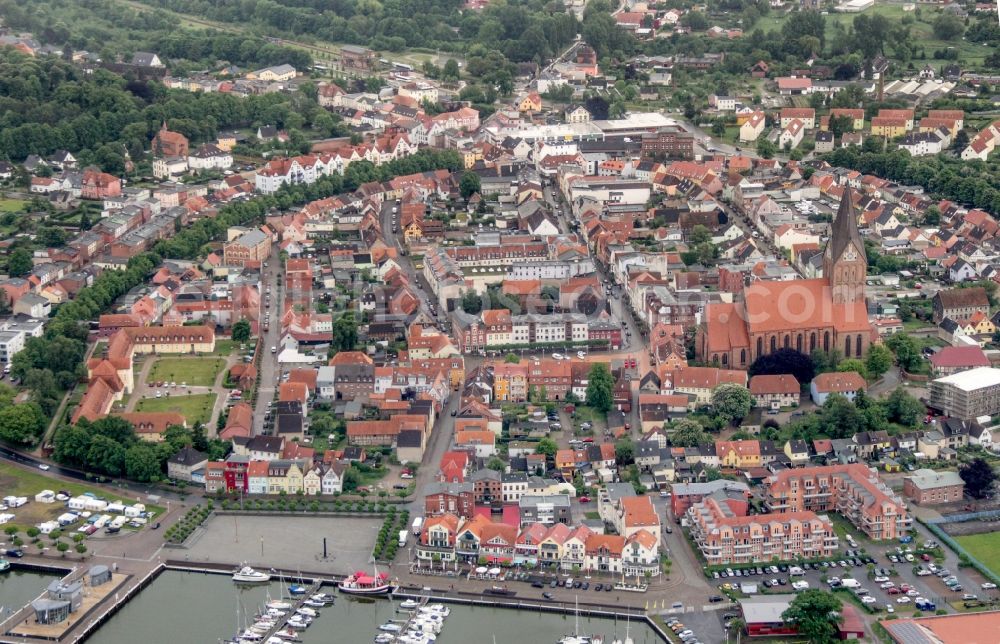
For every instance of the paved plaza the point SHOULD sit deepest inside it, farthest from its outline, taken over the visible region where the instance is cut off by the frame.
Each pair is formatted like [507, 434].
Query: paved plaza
[286, 542]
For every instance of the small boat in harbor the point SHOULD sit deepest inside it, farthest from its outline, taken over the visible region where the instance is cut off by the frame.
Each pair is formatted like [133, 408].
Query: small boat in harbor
[296, 590]
[288, 635]
[279, 604]
[361, 583]
[314, 603]
[247, 575]
[409, 604]
[326, 598]
[384, 638]
[391, 627]
[308, 612]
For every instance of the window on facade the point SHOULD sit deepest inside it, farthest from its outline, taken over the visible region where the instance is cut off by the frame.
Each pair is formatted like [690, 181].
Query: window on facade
[774, 344]
[847, 347]
[826, 341]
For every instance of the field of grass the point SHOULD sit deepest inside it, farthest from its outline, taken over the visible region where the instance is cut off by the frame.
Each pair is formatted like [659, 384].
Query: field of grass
[985, 547]
[195, 409]
[921, 31]
[226, 347]
[12, 205]
[196, 372]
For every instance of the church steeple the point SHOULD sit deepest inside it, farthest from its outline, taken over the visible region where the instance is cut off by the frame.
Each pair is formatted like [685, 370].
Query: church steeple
[845, 265]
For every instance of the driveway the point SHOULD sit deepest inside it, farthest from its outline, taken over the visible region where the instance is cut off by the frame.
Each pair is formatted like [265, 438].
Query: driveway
[268, 363]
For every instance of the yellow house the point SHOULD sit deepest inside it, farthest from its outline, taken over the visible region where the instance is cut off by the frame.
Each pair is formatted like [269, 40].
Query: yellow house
[312, 482]
[738, 454]
[226, 142]
[888, 127]
[530, 103]
[979, 324]
[796, 450]
[510, 382]
[284, 476]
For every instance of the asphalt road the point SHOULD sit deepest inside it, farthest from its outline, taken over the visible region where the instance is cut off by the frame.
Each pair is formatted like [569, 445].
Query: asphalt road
[269, 370]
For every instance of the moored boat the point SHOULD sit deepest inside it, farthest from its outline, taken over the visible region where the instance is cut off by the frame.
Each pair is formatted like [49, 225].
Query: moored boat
[4, 565]
[247, 575]
[361, 583]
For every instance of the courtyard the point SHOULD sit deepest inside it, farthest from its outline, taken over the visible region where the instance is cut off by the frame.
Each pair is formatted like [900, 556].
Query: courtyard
[291, 543]
[194, 372]
[195, 408]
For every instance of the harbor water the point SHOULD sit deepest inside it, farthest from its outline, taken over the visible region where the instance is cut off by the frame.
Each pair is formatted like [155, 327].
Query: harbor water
[18, 587]
[201, 608]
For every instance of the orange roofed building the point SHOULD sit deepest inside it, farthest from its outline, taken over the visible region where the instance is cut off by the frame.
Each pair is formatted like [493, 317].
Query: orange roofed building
[109, 376]
[824, 313]
[853, 490]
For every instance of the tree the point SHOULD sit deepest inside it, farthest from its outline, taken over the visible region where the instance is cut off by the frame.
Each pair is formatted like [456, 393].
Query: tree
[19, 263]
[948, 27]
[142, 463]
[687, 433]
[496, 463]
[906, 349]
[765, 147]
[23, 423]
[979, 478]
[597, 106]
[853, 364]
[840, 418]
[902, 408]
[345, 332]
[469, 185]
[731, 402]
[699, 234]
[784, 361]
[511, 358]
[472, 303]
[600, 387]
[841, 124]
[878, 361]
[241, 331]
[546, 446]
[815, 614]
[450, 71]
[624, 451]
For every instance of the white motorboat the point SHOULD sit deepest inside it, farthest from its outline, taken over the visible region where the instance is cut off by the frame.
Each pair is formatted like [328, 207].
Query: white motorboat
[390, 627]
[437, 609]
[312, 603]
[384, 638]
[279, 604]
[305, 610]
[297, 624]
[251, 636]
[275, 640]
[323, 597]
[410, 604]
[247, 575]
[288, 635]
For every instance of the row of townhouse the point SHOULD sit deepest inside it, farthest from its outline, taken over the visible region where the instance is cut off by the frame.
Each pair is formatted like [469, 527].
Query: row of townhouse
[309, 168]
[450, 538]
[553, 380]
[498, 328]
[245, 475]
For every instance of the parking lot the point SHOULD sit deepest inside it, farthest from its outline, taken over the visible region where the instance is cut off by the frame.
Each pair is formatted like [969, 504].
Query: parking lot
[887, 578]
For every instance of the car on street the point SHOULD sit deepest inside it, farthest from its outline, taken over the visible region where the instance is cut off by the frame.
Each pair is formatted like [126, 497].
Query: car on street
[43, 466]
[584, 499]
[17, 553]
[547, 595]
[988, 586]
[903, 600]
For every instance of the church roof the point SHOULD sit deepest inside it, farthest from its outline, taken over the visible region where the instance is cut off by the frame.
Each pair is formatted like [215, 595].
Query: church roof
[845, 226]
[798, 305]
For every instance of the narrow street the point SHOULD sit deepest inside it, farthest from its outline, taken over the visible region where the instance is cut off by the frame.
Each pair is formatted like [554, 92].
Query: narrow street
[268, 366]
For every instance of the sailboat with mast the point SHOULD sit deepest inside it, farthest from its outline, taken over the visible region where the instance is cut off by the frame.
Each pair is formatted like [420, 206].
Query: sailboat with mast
[576, 638]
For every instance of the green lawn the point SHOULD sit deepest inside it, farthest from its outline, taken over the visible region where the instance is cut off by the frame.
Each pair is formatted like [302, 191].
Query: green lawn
[226, 347]
[195, 409]
[12, 205]
[197, 372]
[984, 547]
[921, 31]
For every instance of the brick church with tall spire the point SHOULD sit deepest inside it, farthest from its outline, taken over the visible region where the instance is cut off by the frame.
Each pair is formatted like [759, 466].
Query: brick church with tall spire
[828, 313]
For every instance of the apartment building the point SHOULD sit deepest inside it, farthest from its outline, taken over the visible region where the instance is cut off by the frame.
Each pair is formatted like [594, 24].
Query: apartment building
[968, 394]
[853, 490]
[725, 538]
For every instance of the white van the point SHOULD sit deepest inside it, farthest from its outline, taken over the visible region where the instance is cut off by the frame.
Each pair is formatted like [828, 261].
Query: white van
[795, 571]
[847, 582]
